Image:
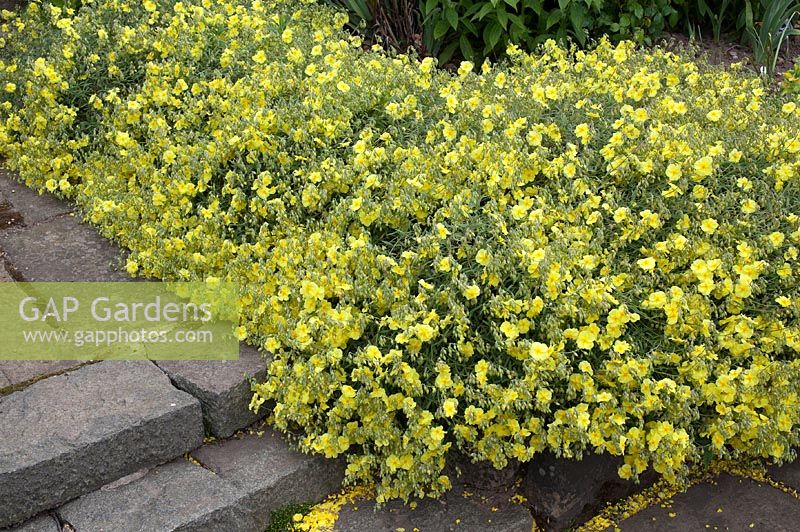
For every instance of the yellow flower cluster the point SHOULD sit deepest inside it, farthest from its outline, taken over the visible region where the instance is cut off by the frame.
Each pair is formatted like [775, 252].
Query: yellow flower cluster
[580, 251]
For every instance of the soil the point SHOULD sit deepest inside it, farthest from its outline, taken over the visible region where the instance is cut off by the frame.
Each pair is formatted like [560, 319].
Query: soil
[728, 51]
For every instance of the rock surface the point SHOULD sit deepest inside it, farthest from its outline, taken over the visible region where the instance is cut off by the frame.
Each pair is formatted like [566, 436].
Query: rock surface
[62, 249]
[34, 208]
[269, 474]
[453, 512]
[222, 387]
[727, 503]
[176, 496]
[564, 492]
[69, 434]
[43, 523]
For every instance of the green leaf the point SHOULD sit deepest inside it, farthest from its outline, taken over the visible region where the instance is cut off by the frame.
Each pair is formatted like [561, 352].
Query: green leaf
[484, 10]
[466, 48]
[534, 5]
[441, 28]
[576, 16]
[430, 5]
[562, 4]
[491, 35]
[517, 22]
[502, 17]
[553, 18]
[452, 17]
[447, 53]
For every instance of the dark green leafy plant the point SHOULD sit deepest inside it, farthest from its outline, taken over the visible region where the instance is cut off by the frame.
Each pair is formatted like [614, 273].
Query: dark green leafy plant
[768, 33]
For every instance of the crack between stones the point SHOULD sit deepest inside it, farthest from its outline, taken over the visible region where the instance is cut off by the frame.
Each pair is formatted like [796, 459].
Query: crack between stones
[63, 524]
[193, 460]
[50, 219]
[22, 385]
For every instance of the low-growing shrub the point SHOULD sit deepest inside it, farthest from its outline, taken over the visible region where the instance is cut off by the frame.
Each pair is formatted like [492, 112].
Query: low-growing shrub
[575, 251]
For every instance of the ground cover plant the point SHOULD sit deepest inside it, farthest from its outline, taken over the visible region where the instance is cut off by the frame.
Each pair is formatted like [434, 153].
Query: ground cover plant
[580, 251]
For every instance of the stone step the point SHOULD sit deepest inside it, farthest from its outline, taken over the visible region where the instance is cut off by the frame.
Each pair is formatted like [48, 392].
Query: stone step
[459, 509]
[238, 484]
[43, 523]
[724, 503]
[222, 387]
[72, 433]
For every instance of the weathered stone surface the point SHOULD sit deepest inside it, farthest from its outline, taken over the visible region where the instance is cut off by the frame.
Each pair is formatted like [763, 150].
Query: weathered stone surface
[789, 474]
[62, 249]
[69, 434]
[489, 512]
[43, 523]
[482, 475]
[269, 474]
[176, 496]
[33, 207]
[729, 503]
[5, 277]
[564, 492]
[18, 372]
[9, 216]
[222, 386]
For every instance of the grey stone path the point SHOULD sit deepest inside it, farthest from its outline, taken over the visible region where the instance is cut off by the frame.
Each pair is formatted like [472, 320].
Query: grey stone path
[726, 502]
[459, 509]
[101, 445]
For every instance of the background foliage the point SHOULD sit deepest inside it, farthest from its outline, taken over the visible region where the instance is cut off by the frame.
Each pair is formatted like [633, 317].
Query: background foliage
[476, 29]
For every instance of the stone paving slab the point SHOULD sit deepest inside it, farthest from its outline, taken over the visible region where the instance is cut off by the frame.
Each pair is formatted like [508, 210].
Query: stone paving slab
[9, 216]
[62, 249]
[70, 434]
[222, 387]
[727, 503]
[269, 474]
[176, 496]
[34, 208]
[564, 492]
[19, 372]
[788, 474]
[44, 523]
[453, 512]
[5, 277]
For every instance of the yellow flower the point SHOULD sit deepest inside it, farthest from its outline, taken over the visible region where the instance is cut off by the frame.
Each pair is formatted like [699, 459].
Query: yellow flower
[704, 167]
[10, 87]
[586, 339]
[424, 332]
[789, 107]
[539, 351]
[674, 172]
[472, 291]
[647, 263]
[509, 329]
[709, 226]
[449, 407]
[260, 57]
[483, 257]
[776, 238]
[149, 5]
[714, 115]
[465, 68]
